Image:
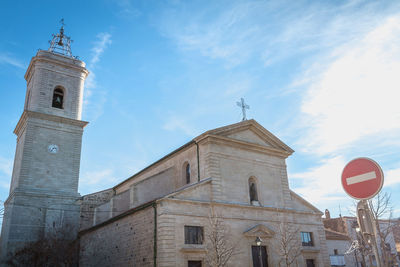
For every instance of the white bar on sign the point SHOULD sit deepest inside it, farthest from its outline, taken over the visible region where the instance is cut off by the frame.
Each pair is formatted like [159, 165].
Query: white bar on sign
[361, 178]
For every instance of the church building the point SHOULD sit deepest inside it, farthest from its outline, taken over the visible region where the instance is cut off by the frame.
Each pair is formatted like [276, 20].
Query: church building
[223, 196]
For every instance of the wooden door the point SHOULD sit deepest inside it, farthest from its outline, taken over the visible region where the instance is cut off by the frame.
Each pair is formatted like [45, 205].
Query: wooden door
[260, 257]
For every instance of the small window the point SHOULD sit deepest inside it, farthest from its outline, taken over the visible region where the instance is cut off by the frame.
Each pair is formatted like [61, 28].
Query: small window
[194, 264]
[193, 235]
[335, 252]
[253, 190]
[187, 173]
[58, 98]
[306, 239]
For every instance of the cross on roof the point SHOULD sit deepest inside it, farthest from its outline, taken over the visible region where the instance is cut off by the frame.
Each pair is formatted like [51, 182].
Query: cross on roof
[244, 106]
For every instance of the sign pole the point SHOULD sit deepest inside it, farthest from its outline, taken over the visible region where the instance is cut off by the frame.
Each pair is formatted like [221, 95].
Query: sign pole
[362, 179]
[368, 228]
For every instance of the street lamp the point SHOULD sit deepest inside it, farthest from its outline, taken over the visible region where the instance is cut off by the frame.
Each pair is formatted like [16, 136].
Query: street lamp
[258, 243]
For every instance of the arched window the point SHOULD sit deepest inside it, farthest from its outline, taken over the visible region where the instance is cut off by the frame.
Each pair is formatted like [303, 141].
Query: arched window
[58, 98]
[187, 173]
[253, 190]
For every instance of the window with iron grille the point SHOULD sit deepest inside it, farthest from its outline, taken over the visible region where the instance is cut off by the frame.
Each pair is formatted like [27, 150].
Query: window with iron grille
[306, 239]
[193, 235]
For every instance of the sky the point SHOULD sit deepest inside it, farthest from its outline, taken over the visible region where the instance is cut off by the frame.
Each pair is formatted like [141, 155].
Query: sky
[323, 76]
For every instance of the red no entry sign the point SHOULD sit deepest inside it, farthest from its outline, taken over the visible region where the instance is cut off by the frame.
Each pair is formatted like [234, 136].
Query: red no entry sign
[362, 178]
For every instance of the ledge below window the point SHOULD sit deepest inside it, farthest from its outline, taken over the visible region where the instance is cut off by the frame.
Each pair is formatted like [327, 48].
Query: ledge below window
[310, 250]
[193, 248]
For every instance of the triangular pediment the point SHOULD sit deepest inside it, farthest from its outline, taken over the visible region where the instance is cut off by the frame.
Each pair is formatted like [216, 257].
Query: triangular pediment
[259, 230]
[251, 132]
[300, 203]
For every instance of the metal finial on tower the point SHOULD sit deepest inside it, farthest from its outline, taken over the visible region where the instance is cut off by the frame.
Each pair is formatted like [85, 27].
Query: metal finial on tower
[244, 106]
[60, 43]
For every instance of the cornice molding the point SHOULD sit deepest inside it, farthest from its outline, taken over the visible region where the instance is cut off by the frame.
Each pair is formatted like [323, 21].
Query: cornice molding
[236, 205]
[44, 56]
[37, 115]
[222, 140]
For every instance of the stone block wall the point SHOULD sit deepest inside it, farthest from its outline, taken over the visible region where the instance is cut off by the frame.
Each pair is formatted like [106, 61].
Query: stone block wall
[46, 72]
[153, 187]
[120, 203]
[88, 205]
[102, 213]
[128, 241]
[173, 166]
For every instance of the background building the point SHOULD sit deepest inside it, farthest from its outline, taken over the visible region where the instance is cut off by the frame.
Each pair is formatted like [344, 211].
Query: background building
[348, 227]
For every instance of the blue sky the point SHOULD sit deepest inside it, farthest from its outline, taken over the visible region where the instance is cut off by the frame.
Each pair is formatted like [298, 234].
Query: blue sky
[323, 76]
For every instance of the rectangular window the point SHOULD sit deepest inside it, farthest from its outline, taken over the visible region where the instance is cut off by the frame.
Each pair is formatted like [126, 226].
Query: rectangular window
[194, 263]
[193, 235]
[306, 239]
[337, 260]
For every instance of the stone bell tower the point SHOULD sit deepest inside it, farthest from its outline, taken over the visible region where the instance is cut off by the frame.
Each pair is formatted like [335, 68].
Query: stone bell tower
[43, 197]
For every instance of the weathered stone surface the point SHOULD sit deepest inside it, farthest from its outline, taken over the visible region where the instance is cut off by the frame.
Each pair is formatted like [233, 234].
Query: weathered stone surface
[125, 242]
[228, 157]
[44, 186]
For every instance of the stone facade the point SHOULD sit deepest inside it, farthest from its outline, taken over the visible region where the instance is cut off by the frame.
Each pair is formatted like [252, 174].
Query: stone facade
[44, 185]
[222, 162]
[125, 241]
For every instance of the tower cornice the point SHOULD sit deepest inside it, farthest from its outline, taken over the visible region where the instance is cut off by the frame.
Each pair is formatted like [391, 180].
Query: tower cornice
[60, 60]
[32, 114]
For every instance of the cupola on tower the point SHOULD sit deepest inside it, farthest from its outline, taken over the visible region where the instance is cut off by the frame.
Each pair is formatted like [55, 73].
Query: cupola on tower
[44, 194]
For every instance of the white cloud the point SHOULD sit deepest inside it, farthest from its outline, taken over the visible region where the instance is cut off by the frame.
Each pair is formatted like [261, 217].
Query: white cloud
[392, 177]
[235, 31]
[95, 177]
[103, 41]
[7, 59]
[6, 166]
[126, 9]
[321, 184]
[229, 35]
[95, 108]
[356, 94]
[174, 123]
[92, 181]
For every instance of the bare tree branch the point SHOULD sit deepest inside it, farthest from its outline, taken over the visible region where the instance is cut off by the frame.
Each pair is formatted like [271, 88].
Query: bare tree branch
[289, 248]
[219, 245]
[54, 250]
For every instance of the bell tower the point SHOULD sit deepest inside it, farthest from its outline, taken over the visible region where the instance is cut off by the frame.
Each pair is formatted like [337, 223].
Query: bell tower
[44, 194]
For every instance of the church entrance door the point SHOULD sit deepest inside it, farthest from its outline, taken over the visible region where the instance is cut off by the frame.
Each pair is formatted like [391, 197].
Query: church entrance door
[260, 257]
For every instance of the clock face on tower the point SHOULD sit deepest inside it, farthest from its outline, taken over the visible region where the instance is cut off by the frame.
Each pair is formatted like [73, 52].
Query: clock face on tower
[53, 149]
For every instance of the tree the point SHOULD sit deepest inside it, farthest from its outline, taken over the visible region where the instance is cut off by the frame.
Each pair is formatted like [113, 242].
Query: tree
[289, 247]
[55, 250]
[382, 211]
[220, 247]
